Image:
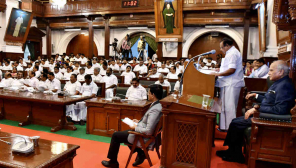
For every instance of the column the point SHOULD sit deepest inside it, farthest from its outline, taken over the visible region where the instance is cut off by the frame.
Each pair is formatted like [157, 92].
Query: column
[159, 51]
[179, 55]
[48, 42]
[246, 35]
[91, 39]
[107, 38]
[271, 42]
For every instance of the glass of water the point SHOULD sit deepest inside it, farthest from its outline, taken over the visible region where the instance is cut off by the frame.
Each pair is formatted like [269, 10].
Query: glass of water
[205, 100]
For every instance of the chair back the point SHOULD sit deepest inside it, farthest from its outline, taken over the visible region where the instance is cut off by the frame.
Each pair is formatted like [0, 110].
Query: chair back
[269, 82]
[158, 128]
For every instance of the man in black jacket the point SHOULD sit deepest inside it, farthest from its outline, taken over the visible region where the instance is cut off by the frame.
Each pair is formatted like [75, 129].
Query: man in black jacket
[279, 99]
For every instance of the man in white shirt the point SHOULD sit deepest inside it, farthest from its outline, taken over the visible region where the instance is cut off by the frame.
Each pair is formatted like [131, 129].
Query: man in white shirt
[104, 69]
[51, 65]
[168, 64]
[154, 56]
[177, 85]
[18, 66]
[37, 72]
[124, 65]
[179, 69]
[83, 59]
[7, 81]
[80, 76]
[111, 82]
[128, 75]
[230, 80]
[22, 63]
[114, 66]
[7, 66]
[32, 81]
[96, 64]
[68, 74]
[42, 84]
[210, 61]
[141, 68]
[153, 74]
[89, 69]
[163, 82]
[173, 74]
[96, 77]
[163, 69]
[58, 74]
[136, 91]
[261, 71]
[19, 81]
[53, 84]
[73, 88]
[158, 63]
[76, 68]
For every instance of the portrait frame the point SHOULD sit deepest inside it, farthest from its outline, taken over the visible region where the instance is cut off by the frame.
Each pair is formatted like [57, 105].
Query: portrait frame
[174, 11]
[18, 33]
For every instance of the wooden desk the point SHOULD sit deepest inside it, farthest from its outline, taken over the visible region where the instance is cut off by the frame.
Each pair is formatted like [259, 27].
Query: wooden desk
[37, 108]
[188, 132]
[47, 154]
[104, 117]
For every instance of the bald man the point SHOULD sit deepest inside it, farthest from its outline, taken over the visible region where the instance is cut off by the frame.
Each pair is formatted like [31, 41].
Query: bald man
[279, 99]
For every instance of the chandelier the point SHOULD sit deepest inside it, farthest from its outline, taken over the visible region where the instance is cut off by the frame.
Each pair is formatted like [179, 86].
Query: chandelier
[59, 3]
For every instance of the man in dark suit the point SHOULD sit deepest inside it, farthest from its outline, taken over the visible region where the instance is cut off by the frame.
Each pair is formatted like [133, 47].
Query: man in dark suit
[279, 99]
[145, 126]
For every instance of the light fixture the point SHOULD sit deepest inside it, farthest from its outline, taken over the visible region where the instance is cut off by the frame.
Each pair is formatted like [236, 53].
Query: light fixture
[59, 3]
[137, 28]
[216, 26]
[72, 29]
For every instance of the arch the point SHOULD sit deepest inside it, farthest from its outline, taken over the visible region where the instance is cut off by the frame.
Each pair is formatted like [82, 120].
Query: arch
[67, 37]
[131, 32]
[196, 34]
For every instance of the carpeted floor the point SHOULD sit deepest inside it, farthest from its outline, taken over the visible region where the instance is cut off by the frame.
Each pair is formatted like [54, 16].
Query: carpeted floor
[94, 149]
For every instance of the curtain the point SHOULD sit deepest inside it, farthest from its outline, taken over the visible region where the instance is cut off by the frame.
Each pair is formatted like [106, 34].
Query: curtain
[151, 42]
[31, 50]
[134, 40]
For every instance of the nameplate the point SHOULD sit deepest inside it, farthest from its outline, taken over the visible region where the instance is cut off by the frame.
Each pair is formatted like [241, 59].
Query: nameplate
[168, 39]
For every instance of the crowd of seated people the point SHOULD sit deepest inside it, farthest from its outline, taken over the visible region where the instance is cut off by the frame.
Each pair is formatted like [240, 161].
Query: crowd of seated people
[256, 69]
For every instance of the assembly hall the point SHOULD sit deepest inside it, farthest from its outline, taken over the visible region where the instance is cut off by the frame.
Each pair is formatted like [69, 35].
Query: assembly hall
[147, 83]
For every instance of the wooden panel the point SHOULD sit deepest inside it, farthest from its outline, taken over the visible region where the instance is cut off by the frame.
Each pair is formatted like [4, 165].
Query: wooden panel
[11, 56]
[2, 5]
[80, 44]
[36, 8]
[206, 43]
[191, 5]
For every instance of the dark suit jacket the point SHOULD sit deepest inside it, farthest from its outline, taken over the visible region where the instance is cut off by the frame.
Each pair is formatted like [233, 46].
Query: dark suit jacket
[279, 99]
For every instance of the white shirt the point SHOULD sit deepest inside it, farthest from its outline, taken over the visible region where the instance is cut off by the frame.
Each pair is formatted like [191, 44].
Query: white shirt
[165, 70]
[172, 76]
[6, 82]
[103, 72]
[84, 60]
[233, 59]
[177, 86]
[41, 85]
[158, 64]
[114, 67]
[37, 74]
[72, 87]
[63, 70]
[155, 75]
[54, 84]
[80, 77]
[110, 80]
[7, 68]
[260, 72]
[165, 83]
[142, 69]
[128, 76]
[138, 93]
[23, 64]
[89, 71]
[168, 66]
[67, 75]
[76, 71]
[123, 67]
[97, 78]
[59, 75]
[97, 65]
[19, 68]
[18, 82]
[154, 56]
[33, 82]
[88, 90]
[180, 69]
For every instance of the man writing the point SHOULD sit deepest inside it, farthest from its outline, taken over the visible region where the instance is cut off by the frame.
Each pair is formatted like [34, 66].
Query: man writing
[230, 81]
[279, 99]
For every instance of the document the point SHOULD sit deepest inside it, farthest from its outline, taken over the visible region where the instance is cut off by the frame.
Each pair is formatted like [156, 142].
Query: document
[129, 122]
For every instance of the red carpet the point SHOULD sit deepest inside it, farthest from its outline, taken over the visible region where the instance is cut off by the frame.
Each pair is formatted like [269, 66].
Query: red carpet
[91, 153]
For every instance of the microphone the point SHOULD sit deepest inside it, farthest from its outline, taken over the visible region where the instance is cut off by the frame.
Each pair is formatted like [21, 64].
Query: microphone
[195, 65]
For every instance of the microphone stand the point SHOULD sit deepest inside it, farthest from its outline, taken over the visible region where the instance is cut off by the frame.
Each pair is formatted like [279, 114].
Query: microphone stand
[181, 81]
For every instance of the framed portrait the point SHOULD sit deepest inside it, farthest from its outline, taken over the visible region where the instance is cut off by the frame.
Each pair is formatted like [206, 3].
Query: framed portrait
[18, 26]
[168, 20]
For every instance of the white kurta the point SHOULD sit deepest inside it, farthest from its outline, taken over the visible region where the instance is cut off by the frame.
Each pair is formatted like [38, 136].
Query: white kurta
[172, 76]
[71, 88]
[165, 70]
[59, 75]
[109, 81]
[128, 76]
[138, 93]
[80, 77]
[67, 75]
[33, 82]
[97, 78]
[41, 85]
[89, 71]
[142, 69]
[230, 86]
[53, 85]
[114, 67]
[165, 83]
[6, 82]
[155, 75]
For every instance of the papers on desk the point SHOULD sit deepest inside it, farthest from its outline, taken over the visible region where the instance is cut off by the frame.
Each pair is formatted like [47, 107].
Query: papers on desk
[76, 96]
[129, 122]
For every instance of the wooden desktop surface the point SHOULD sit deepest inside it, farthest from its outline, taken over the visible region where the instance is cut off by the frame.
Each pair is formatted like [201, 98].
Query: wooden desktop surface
[104, 117]
[37, 108]
[47, 154]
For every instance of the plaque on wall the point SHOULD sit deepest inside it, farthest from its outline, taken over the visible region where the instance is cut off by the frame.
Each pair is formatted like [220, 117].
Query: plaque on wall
[130, 3]
[18, 26]
[168, 20]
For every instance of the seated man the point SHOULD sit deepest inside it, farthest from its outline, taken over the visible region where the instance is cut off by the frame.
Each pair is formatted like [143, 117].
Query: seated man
[80, 76]
[114, 66]
[173, 74]
[96, 76]
[42, 84]
[53, 83]
[32, 81]
[163, 69]
[279, 99]
[261, 71]
[145, 126]
[7, 81]
[177, 85]
[19, 81]
[89, 68]
[68, 74]
[128, 75]
[73, 88]
[153, 73]
[58, 74]
[37, 72]
[141, 68]
[163, 82]
[136, 91]
[111, 82]
[104, 69]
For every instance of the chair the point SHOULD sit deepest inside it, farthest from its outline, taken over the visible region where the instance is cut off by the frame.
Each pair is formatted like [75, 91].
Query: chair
[139, 137]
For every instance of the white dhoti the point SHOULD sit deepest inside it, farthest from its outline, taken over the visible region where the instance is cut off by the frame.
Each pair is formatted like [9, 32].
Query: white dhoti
[229, 97]
[80, 112]
[69, 109]
[109, 93]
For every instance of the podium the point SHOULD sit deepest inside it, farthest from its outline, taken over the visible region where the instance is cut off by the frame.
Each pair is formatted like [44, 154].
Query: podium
[188, 128]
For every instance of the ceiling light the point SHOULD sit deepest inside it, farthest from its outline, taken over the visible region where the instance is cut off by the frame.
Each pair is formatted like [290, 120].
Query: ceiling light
[137, 28]
[72, 29]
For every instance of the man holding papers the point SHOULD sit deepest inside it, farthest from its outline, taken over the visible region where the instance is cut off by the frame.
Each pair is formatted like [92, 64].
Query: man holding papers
[145, 126]
[136, 91]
